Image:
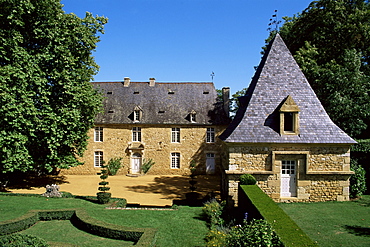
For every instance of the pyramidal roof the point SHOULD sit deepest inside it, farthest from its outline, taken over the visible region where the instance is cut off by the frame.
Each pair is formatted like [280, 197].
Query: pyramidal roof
[278, 79]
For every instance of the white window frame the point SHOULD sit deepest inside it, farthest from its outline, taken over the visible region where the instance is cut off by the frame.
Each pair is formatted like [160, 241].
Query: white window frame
[210, 136]
[175, 160]
[98, 134]
[175, 135]
[137, 114]
[136, 134]
[98, 158]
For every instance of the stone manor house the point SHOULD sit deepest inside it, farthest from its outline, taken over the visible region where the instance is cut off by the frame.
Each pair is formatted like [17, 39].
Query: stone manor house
[281, 133]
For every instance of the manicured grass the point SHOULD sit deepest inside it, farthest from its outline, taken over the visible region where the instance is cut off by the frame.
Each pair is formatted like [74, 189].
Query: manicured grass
[333, 223]
[181, 227]
[62, 231]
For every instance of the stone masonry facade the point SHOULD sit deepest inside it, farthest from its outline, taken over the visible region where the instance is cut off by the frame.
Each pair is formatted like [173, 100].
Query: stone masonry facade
[322, 174]
[155, 144]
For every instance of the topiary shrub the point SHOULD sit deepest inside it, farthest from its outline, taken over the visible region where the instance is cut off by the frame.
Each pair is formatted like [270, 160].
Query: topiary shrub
[247, 179]
[357, 180]
[114, 165]
[103, 196]
[16, 240]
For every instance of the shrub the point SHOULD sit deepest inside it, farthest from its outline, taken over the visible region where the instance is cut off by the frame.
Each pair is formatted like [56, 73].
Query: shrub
[216, 237]
[288, 231]
[15, 240]
[357, 180]
[119, 202]
[147, 164]
[247, 179]
[114, 165]
[254, 233]
[213, 212]
[103, 196]
[66, 194]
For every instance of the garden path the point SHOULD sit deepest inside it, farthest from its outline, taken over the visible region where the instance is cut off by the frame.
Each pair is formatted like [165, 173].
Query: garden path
[150, 190]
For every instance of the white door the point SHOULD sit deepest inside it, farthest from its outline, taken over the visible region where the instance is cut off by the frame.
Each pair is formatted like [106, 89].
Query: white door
[288, 186]
[135, 163]
[210, 163]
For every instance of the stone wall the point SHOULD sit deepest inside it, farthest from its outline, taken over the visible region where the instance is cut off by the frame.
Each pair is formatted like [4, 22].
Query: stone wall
[322, 171]
[155, 144]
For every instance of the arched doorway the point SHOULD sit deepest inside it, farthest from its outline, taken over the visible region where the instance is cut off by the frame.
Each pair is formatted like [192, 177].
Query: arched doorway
[135, 163]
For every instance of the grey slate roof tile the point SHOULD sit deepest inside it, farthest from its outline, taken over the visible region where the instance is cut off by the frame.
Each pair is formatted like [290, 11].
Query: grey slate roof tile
[257, 120]
[158, 105]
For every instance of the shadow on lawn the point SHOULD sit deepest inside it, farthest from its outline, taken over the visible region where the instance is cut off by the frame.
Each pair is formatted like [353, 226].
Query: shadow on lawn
[358, 230]
[176, 187]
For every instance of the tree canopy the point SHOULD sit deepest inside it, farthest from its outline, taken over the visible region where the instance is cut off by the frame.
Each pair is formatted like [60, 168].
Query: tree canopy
[47, 103]
[330, 41]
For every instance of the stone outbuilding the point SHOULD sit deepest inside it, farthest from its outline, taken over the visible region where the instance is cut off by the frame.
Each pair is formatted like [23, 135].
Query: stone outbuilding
[282, 135]
[173, 124]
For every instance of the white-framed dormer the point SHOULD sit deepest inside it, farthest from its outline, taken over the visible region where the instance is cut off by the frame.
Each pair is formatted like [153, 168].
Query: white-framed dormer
[193, 116]
[138, 114]
[289, 117]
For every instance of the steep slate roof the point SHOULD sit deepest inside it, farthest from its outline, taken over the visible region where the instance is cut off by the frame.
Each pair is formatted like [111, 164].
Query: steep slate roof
[163, 103]
[257, 120]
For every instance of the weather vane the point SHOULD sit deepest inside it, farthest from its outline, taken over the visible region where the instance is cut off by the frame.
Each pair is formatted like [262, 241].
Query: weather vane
[274, 22]
[212, 75]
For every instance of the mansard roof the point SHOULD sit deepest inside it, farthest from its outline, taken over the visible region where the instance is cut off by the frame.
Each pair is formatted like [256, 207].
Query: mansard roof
[160, 103]
[277, 77]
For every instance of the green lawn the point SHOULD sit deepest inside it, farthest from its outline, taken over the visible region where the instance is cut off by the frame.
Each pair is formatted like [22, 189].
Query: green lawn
[181, 227]
[333, 223]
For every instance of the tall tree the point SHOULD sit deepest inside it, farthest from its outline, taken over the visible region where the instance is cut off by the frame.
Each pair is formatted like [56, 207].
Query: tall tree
[329, 40]
[47, 103]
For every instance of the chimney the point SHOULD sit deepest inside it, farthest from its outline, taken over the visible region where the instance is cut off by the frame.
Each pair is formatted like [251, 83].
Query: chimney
[126, 81]
[226, 100]
[151, 82]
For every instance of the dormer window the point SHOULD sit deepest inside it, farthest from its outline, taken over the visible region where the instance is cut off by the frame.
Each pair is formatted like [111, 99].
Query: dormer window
[289, 121]
[137, 114]
[192, 116]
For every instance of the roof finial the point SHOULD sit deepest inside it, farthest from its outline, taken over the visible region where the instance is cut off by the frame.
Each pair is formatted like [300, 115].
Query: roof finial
[212, 75]
[274, 22]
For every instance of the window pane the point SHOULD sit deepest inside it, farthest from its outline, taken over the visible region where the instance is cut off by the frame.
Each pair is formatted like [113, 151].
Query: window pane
[175, 135]
[98, 134]
[210, 135]
[175, 160]
[288, 121]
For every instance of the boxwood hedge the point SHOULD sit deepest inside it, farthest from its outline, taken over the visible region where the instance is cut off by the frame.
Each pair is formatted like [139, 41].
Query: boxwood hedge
[80, 219]
[259, 205]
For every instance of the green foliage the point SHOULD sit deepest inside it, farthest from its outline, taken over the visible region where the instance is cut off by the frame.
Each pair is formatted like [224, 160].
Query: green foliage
[114, 165]
[213, 210]
[357, 180]
[288, 231]
[254, 233]
[103, 196]
[234, 101]
[247, 179]
[216, 238]
[119, 202]
[16, 240]
[362, 146]
[147, 164]
[66, 194]
[47, 103]
[142, 236]
[329, 41]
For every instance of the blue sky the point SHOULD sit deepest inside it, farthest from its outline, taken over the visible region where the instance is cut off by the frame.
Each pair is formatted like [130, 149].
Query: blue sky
[183, 40]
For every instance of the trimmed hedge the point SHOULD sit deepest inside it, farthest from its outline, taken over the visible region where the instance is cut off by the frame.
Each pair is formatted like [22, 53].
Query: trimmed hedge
[16, 240]
[80, 219]
[262, 205]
